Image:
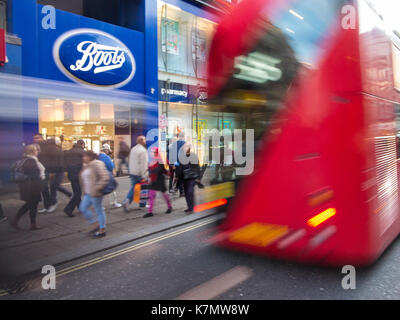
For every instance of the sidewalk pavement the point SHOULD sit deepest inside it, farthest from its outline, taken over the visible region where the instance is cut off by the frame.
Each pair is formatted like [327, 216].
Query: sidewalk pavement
[63, 239]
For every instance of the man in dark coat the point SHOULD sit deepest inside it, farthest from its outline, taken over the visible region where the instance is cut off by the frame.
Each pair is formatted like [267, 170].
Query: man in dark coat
[52, 158]
[123, 154]
[190, 176]
[73, 160]
[173, 158]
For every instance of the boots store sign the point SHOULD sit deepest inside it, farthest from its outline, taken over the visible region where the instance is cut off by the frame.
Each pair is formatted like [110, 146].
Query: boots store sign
[94, 58]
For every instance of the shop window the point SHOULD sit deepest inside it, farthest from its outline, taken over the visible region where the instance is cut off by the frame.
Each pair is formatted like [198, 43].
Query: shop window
[95, 123]
[107, 112]
[81, 111]
[184, 41]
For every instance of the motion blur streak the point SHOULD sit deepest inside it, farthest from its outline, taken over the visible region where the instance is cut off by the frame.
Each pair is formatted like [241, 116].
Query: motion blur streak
[15, 88]
[218, 285]
[210, 205]
[323, 101]
[322, 217]
[322, 236]
[283, 244]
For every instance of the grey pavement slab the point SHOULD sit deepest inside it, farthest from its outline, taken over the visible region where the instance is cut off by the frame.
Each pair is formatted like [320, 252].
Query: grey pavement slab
[64, 239]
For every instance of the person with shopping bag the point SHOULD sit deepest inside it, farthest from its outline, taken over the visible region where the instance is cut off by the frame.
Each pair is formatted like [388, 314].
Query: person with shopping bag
[138, 170]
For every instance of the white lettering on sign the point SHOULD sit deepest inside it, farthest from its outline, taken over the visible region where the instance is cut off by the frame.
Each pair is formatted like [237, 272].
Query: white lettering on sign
[174, 92]
[103, 58]
[257, 67]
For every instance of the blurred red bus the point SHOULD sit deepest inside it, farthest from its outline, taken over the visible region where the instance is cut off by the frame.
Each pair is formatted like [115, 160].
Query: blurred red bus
[318, 81]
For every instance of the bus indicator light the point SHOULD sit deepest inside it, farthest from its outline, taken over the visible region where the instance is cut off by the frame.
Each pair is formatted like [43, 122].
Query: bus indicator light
[322, 217]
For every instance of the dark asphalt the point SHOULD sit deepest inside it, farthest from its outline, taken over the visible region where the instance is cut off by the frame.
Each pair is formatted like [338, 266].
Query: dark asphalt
[171, 267]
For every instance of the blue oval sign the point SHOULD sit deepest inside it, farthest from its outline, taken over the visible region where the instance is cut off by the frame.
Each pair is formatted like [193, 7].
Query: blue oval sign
[94, 57]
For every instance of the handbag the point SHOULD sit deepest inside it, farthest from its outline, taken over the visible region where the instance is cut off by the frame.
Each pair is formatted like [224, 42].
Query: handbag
[189, 173]
[111, 185]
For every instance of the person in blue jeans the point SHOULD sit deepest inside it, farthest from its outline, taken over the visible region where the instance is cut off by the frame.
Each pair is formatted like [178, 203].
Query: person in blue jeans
[138, 169]
[105, 157]
[94, 177]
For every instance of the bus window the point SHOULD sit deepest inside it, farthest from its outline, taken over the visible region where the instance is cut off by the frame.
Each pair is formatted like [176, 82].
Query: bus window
[291, 43]
[396, 66]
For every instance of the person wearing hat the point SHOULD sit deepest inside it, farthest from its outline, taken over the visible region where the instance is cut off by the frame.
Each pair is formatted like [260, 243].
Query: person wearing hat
[105, 157]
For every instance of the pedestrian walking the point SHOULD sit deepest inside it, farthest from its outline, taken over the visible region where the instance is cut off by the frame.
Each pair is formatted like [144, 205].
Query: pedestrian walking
[138, 170]
[73, 160]
[41, 144]
[190, 169]
[2, 216]
[31, 186]
[173, 158]
[105, 157]
[123, 154]
[157, 173]
[95, 178]
[53, 160]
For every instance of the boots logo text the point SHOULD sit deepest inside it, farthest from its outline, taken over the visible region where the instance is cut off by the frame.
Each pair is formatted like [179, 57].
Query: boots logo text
[94, 58]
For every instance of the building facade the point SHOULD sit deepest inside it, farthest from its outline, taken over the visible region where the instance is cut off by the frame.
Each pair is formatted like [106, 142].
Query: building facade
[155, 50]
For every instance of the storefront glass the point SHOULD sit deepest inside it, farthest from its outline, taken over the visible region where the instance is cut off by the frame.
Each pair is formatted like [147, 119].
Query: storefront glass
[95, 123]
[184, 41]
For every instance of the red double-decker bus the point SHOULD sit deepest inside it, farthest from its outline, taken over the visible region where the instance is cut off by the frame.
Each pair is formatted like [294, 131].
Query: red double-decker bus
[318, 81]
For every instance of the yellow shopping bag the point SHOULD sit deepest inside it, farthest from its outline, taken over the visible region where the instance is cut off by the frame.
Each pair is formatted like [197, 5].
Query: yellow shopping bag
[136, 192]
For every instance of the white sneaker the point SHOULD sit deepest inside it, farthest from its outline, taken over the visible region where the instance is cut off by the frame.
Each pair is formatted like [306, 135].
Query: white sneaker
[116, 205]
[44, 210]
[52, 208]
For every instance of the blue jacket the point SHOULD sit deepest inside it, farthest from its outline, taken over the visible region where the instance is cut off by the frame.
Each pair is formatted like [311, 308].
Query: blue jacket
[107, 161]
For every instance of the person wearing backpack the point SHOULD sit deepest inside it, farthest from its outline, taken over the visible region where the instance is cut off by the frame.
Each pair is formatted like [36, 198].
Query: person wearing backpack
[95, 178]
[105, 157]
[30, 185]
